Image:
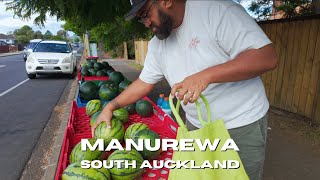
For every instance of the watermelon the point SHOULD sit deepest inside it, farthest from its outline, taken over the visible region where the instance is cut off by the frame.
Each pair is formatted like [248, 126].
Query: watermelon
[131, 108]
[100, 73]
[110, 71]
[147, 134]
[93, 106]
[107, 134]
[84, 71]
[123, 173]
[105, 64]
[105, 71]
[90, 64]
[107, 93]
[77, 155]
[121, 114]
[97, 66]
[93, 72]
[74, 171]
[108, 83]
[117, 77]
[88, 90]
[85, 64]
[94, 118]
[94, 60]
[133, 128]
[124, 84]
[144, 108]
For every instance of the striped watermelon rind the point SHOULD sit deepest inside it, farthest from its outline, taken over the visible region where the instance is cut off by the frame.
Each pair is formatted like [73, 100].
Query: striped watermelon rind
[115, 132]
[77, 155]
[147, 134]
[74, 171]
[93, 106]
[126, 173]
[134, 128]
[121, 114]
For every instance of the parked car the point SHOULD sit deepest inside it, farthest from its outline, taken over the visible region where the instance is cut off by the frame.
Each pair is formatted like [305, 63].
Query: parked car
[76, 44]
[51, 57]
[29, 48]
[3, 43]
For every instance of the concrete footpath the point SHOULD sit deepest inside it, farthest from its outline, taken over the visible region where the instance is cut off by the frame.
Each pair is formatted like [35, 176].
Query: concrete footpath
[10, 53]
[292, 154]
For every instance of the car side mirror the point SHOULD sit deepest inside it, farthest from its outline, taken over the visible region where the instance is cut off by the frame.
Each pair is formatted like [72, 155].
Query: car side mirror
[30, 50]
[74, 52]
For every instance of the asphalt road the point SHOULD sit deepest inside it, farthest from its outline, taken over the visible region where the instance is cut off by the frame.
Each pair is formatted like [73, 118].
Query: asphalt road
[25, 108]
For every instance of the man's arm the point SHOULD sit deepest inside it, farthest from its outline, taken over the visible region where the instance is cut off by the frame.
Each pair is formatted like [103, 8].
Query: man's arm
[249, 64]
[137, 90]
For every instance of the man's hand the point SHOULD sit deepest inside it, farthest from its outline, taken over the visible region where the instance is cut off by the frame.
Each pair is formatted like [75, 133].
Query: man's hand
[106, 116]
[191, 87]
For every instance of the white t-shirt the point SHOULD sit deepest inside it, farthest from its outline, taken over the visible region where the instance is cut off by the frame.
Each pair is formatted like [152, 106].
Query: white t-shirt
[212, 33]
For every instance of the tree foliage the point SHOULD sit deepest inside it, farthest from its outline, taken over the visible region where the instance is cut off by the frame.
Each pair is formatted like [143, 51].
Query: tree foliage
[293, 8]
[111, 34]
[24, 34]
[87, 13]
[263, 9]
[38, 35]
[47, 35]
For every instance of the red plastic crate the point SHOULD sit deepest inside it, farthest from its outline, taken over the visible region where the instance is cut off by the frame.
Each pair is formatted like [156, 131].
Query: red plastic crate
[91, 78]
[79, 127]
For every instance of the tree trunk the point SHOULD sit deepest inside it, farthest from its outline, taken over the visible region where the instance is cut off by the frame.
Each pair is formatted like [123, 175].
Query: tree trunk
[125, 54]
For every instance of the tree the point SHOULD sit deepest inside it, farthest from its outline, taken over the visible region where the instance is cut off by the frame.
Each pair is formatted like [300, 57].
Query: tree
[24, 34]
[62, 34]
[38, 35]
[293, 8]
[76, 39]
[47, 35]
[87, 14]
[264, 9]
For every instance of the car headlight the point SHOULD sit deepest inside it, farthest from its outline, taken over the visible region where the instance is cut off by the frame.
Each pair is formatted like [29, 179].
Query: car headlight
[30, 60]
[66, 60]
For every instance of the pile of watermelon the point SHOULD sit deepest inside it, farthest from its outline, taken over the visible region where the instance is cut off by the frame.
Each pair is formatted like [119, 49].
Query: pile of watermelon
[94, 68]
[98, 95]
[104, 90]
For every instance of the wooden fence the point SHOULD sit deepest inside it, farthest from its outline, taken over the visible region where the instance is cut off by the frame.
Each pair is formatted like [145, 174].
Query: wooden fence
[140, 48]
[295, 84]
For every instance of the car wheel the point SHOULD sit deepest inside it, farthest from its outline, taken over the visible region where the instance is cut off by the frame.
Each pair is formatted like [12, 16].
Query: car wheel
[71, 76]
[32, 76]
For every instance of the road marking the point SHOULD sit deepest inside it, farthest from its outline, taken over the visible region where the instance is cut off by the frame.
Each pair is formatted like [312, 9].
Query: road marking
[12, 88]
[1, 66]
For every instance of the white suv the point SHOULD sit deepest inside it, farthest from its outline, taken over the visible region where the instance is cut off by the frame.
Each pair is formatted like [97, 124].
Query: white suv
[50, 57]
[29, 48]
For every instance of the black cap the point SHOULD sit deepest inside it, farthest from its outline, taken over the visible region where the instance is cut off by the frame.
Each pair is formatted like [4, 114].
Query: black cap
[136, 6]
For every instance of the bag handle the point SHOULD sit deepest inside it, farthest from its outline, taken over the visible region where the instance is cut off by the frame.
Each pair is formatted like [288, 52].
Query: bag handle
[175, 111]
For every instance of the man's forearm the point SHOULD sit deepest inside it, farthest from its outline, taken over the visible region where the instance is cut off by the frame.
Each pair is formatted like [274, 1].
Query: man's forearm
[137, 90]
[247, 65]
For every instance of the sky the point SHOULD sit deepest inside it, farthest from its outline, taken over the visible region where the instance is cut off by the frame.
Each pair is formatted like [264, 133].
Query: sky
[10, 23]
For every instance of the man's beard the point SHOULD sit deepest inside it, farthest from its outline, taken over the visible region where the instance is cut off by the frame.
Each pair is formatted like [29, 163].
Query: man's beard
[164, 29]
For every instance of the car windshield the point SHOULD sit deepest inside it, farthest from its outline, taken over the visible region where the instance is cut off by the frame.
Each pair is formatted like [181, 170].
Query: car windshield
[52, 47]
[31, 45]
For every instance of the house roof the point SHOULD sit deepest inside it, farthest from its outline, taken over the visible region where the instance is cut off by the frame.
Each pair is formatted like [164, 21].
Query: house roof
[3, 36]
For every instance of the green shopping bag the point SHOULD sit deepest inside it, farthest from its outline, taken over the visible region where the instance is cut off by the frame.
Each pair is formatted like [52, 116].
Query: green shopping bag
[210, 130]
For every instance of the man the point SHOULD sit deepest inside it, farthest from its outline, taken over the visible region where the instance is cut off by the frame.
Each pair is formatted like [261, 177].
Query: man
[212, 48]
